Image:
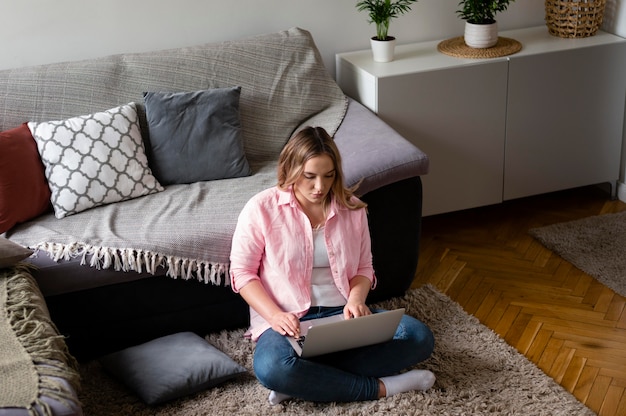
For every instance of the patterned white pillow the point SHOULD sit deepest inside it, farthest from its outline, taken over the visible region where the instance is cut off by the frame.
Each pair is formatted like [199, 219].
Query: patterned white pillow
[94, 159]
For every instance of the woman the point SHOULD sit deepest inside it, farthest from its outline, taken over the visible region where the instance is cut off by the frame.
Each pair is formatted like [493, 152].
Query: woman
[302, 250]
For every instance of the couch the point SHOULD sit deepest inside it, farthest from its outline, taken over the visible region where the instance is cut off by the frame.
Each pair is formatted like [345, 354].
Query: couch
[150, 256]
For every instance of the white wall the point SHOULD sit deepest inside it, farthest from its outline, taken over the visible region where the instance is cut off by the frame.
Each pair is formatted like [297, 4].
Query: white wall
[615, 17]
[43, 31]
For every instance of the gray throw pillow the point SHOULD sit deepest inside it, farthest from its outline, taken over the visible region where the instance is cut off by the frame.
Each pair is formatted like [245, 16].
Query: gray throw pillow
[11, 253]
[170, 367]
[195, 136]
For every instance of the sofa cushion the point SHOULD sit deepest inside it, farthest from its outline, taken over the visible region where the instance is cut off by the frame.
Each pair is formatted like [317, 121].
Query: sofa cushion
[171, 366]
[24, 192]
[195, 136]
[94, 159]
[11, 253]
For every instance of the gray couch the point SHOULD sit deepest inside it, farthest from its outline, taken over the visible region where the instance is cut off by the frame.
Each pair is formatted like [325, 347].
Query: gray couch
[126, 272]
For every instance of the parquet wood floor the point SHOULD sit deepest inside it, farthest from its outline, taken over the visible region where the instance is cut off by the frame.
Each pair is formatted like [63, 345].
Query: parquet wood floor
[566, 322]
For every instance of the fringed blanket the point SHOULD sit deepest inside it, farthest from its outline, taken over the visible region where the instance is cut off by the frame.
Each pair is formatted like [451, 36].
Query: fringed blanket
[33, 355]
[186, 229]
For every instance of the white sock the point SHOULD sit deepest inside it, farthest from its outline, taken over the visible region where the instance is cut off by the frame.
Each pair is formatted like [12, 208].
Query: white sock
[276, 397]
[411, 380]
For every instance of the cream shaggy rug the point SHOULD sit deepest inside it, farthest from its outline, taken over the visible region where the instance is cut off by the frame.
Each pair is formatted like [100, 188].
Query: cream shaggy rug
[596, 245]
[477, 373]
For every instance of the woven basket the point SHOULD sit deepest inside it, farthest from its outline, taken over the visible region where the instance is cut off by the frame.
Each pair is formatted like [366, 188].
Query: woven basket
[574, 18]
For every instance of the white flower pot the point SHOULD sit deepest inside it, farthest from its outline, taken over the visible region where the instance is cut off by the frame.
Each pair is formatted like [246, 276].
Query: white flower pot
[481, 36]
[383, 50]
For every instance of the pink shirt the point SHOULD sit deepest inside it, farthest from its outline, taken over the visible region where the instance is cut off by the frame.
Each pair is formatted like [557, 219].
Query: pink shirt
[273, 243]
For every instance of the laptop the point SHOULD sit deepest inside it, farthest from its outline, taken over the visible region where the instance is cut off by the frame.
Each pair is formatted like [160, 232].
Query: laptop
[334, 333]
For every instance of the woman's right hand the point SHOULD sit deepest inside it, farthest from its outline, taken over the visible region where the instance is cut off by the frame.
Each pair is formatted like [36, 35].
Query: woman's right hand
[256, 296]
[286, 323]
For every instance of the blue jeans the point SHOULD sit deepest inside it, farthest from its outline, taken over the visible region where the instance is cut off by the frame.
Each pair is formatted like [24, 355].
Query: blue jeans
[343, 376]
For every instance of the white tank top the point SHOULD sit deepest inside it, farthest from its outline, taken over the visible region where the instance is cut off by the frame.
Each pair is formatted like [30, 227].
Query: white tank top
[324, 292]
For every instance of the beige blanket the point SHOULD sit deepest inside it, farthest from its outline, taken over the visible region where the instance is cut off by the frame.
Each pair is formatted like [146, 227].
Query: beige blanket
[33, 356]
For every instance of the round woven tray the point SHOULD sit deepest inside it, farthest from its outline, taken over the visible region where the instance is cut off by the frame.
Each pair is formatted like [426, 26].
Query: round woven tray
[456, 47]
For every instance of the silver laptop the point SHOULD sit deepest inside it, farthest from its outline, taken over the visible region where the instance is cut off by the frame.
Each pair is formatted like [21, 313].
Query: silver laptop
[334, 333]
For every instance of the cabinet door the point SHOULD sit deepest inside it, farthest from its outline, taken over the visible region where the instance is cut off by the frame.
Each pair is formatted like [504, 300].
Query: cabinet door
[456, 116]
[564, 119]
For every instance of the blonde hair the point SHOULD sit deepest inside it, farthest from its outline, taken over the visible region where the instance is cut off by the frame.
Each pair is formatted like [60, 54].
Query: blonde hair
[306, 144]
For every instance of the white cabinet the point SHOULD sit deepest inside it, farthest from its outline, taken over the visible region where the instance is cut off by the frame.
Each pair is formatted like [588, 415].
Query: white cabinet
[565, 112]
[547, 118]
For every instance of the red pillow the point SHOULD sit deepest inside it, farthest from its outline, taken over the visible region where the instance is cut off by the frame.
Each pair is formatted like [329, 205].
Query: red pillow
[24, 192]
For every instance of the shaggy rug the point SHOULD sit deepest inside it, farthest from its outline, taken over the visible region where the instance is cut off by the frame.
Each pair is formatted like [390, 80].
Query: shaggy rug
[596, 245]
[477, 373]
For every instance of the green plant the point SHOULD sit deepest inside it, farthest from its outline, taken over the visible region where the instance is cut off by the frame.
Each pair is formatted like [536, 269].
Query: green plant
[481, 11]
[382, 11]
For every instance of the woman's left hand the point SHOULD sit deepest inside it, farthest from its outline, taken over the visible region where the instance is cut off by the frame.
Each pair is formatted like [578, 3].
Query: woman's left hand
[354, 310]
[359, 288]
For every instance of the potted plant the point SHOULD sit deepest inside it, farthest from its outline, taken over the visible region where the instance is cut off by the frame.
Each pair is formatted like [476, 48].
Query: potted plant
[380, 13]
[481, 28]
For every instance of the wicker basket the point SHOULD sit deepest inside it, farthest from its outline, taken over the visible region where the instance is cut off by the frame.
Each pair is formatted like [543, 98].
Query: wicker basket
[574, 18]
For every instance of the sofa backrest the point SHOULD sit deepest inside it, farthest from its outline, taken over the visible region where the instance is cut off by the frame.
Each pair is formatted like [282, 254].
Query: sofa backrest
[283, 79]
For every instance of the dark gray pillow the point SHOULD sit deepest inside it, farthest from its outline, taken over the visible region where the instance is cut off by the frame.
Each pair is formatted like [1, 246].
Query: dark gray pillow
[170, 367]
[195, 136]
[12, 253]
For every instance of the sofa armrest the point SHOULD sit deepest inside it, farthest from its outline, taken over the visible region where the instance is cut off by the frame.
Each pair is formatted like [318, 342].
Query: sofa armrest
[374, 152]
[395, 221]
